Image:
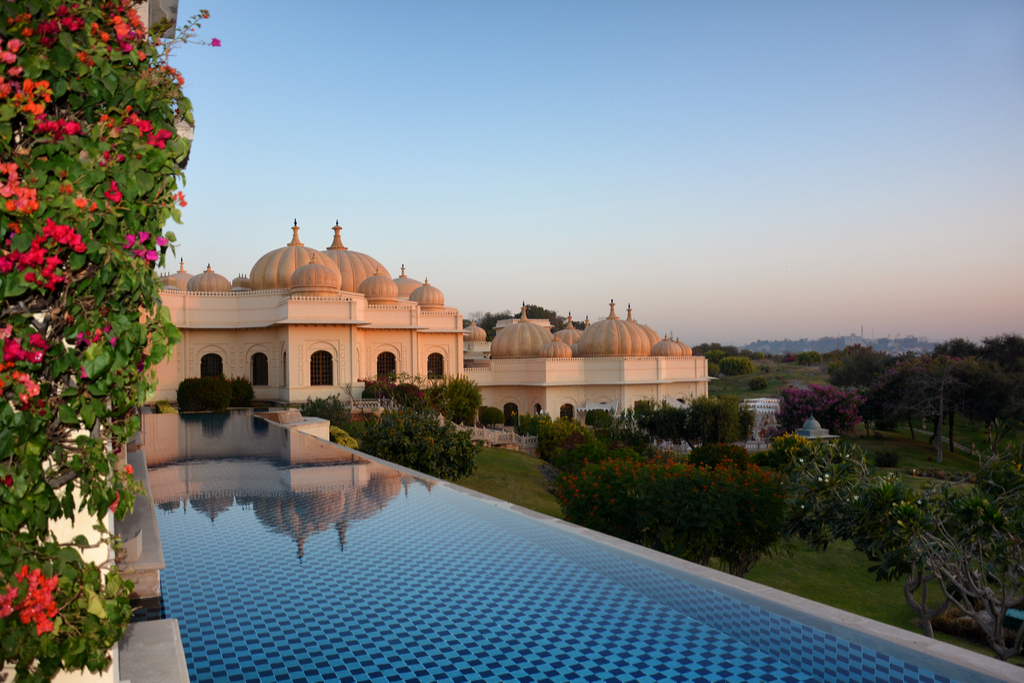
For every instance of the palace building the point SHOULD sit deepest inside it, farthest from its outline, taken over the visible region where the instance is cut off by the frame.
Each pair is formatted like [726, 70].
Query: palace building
[312, 323]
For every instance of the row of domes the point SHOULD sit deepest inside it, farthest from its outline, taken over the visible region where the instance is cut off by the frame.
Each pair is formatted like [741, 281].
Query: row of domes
[309, 272]
[609, 337]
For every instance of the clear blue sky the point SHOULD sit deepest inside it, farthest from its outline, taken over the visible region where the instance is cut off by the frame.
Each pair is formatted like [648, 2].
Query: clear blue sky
[734, 170]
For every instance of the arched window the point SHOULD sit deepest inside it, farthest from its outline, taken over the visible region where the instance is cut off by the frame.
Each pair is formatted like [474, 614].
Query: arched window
[386, 364]
[537, 409]
[566, 411]
[260, 370]
[321, 369]
[284, 368]
[211, 365]
[511, 414]
[435, 366]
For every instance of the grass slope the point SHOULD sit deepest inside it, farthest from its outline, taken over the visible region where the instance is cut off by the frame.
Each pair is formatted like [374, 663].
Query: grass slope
[515, 477]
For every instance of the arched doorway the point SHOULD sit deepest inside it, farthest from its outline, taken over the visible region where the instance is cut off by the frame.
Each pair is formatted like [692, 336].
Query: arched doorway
[387, 364]
[511, 414]
[211, 365]
[321, 369]
[567, 410]
[435, 366]
[260, 370]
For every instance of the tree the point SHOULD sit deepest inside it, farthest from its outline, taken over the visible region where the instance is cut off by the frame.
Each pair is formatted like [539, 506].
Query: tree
[716, 420]
[457, 397]
[90, 162]
[736, 365]
[808, 358]
[858, 367]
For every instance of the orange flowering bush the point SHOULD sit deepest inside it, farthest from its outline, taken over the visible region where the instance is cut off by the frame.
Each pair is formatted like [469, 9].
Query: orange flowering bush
[90, 160]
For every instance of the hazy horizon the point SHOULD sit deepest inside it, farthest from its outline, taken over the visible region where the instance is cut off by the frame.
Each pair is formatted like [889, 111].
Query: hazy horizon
[732, 170]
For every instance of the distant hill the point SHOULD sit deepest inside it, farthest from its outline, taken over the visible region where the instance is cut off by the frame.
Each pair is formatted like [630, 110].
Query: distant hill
[826, 344]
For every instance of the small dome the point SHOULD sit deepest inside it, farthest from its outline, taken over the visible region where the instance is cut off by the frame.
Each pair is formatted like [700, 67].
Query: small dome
[181, 278]
[687, 351]
[556, 349]
[575, 348]
[427, 296]
[570, 335]
[521, 339]
[316, 279]
[811, 423]
[379, 288]
[474, 333]
[274, 269]
[209, 281]
[666, 347]
[614, 337]
[406, 285]
[241, 284]
[353, 266]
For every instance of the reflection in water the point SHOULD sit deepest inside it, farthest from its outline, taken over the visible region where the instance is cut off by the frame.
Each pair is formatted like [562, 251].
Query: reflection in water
[295, 484]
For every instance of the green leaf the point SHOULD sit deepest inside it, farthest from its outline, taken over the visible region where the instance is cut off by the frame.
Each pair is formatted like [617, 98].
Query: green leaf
[145, 181]
[60, 87]
[95, 604]
[67, 414]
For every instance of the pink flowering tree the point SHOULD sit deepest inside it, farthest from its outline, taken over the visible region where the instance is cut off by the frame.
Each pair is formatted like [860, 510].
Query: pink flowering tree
[89, 167]
[836, 409]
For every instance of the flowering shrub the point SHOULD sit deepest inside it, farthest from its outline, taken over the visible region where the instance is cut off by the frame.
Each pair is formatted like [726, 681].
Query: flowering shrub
[836, 409]
[693, 512]
[89, 162]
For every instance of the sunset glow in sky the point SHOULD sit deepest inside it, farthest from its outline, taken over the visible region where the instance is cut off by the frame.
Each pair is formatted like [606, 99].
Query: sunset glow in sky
[733, 170]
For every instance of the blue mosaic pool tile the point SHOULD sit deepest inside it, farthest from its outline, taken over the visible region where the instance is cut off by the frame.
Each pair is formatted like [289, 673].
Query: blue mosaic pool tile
[280, 581]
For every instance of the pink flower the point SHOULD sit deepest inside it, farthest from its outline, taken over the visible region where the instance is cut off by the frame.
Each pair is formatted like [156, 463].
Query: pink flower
[152, 256]
[8, 57]
[129, 240]
[15, 70]
[215, 42]
[14, 45]
[162, 241]
[143, 236]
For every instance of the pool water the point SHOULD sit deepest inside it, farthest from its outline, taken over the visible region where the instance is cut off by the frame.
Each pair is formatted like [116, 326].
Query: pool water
[291, 560]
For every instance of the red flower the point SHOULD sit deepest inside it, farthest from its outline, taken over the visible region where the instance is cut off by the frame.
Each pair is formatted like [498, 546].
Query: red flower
[113, 194]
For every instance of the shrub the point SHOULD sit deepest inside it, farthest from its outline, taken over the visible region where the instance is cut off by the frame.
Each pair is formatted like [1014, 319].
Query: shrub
[736, 365]
[598, 419]
[422, 441]
[573, 457]
[717, 454]
[341, 437]
[887, 458]
[552, 435]
[758, 355]
[758, 383]
[808, 358]
[204, 393]
[789, 358]
[165, 408]
[783, 450]
[716, 420]
[457, 397]
[529, 425]
[242, 394]
[713, 370]
[490, 416]
[714, 355]
[691, 512]
[332, 409]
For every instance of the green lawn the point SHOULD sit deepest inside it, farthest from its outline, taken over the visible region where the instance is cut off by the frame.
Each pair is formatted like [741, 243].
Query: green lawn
[779, 375]
[515, 477]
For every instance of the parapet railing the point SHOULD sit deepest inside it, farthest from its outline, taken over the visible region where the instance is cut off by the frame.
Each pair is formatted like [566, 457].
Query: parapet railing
[499, 437]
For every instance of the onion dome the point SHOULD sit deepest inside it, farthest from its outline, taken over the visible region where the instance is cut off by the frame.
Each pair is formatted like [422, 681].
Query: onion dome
[406, 285]
[614, 337]
[379, 288]
[667, 347]
[209, 281]
[570, 335]
[521, 339]
[427, 296]
[687, 351]
[556, 349]
[354, 266]
[652, 336]
[241, 284]
[575, 348]
[316, 279]
[474, 333]
[181, 278]
[274, 269]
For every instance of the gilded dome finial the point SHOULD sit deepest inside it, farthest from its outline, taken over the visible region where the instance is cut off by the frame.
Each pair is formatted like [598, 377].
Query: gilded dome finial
[336, 244]
[629, 313]
[182, 268]
[611, 312]
[523, 316]
[295, 235]
[403, 271]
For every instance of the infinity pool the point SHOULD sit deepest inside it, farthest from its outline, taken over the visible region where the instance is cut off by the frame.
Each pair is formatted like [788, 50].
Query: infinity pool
[289, 559]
